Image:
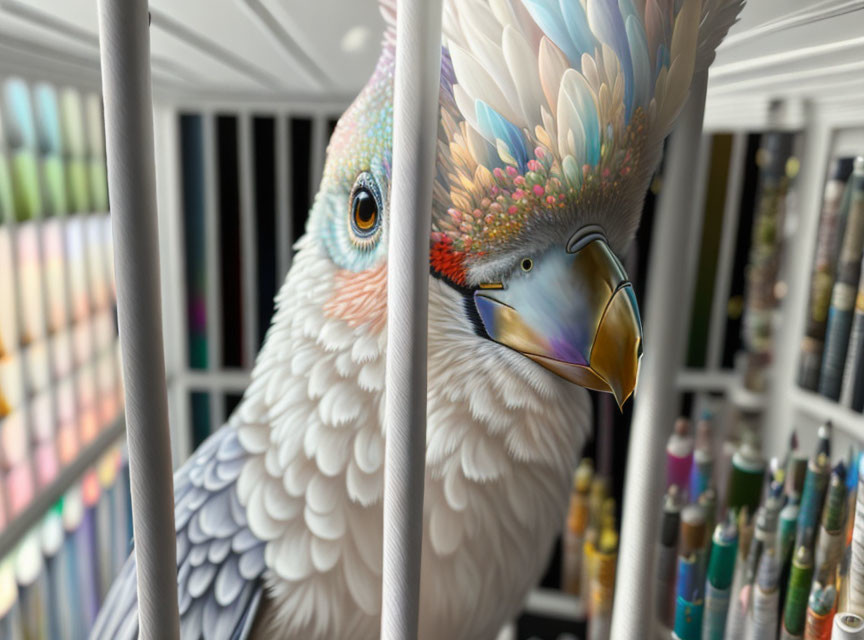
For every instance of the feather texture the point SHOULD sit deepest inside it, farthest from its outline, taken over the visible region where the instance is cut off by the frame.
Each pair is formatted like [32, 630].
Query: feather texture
[613, 74]
[334, 541]
[214, 546]
[552, 116]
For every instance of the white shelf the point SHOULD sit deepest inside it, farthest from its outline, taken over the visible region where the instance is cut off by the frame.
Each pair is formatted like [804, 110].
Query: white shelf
[555, 604]
[724, 381]
[746, 400]
[805, 52]
[821, 408]
[705, 380]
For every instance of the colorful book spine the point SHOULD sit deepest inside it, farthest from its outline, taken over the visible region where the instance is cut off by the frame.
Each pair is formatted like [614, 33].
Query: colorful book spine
[53, 398]
[835, 206]
[56, 205]
[852, 391]
[9, 339]
[96, 152]
[764, 258]
[20, 135]
[75, 144]
[50, 149]
[843, 294]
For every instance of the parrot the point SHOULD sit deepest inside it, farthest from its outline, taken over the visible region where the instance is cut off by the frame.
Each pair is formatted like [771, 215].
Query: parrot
[553, 115]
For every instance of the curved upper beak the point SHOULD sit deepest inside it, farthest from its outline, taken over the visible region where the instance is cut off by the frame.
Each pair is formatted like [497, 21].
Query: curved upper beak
[574, 313]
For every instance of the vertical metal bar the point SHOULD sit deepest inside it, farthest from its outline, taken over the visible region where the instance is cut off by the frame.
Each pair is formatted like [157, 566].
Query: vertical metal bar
[212, 259]
[655, 400]
[248, 238]
[693, 246]
[722, 283]
[283, 211]
[318, 151]
[124, 42]
[170, 218]
[415, 121]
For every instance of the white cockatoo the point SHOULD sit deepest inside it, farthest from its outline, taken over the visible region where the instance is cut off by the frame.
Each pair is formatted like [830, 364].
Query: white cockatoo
[553, 115]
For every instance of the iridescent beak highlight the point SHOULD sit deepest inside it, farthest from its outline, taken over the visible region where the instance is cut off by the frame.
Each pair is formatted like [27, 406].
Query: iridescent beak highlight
[573, 313]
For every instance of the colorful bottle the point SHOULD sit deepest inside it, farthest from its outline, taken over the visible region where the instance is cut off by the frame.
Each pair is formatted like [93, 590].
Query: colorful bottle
[679, 455]
[721, 567]
[747, 476]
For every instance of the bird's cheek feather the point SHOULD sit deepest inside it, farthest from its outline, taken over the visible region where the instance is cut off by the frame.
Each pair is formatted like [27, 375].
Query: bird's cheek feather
[359, 298]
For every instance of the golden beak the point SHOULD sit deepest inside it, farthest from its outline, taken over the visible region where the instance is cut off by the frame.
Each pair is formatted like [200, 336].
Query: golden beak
[572, 312]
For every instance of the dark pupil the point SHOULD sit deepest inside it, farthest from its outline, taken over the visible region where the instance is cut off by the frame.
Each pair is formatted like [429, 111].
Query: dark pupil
[364, 206]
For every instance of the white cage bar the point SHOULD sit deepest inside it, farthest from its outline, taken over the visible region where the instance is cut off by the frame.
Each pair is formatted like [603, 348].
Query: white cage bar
[125, 45]
[415, 122]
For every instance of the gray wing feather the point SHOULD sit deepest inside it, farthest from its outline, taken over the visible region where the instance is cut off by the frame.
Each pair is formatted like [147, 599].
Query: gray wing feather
[220, 562]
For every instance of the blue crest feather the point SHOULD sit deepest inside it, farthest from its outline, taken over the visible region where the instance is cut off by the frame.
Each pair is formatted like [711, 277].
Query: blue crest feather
[495, 127]
[606, 21]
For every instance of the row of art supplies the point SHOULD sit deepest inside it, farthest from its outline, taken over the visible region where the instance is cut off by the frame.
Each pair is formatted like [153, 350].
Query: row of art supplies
[60, 383]
[748, 180]
[54, 581]
[759, 549]
[59, 373]
[832, 350]
[590, 548]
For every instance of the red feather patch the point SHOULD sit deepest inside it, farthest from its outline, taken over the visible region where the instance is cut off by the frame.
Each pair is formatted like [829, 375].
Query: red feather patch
[447, 262]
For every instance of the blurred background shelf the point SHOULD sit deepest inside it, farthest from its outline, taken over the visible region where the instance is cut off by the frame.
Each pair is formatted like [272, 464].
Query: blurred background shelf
[555, 604]
[701, 380]
[51, 494]
[822, 409]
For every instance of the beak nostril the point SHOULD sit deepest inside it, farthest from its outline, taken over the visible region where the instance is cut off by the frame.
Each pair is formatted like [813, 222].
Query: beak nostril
[527, 264]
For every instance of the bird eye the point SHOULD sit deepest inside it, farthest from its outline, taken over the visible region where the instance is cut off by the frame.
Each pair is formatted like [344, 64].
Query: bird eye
[364, 209]
[527, 264]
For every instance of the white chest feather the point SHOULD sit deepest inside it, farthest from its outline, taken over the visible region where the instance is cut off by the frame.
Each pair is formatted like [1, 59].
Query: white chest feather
[502, 438]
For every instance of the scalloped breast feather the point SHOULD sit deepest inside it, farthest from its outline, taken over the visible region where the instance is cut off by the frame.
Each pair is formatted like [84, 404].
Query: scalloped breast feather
[497, 474]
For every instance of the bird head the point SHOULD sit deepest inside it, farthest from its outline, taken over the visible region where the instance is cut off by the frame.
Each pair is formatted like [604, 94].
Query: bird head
[552, 117]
